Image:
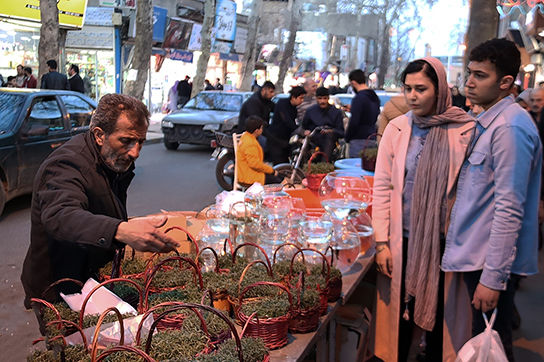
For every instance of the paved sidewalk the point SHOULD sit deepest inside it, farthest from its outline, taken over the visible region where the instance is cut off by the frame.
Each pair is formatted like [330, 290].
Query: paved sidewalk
[154, 133]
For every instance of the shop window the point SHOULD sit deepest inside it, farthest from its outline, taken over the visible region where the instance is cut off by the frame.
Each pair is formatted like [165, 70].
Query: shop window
[79, 111]
[45, 112]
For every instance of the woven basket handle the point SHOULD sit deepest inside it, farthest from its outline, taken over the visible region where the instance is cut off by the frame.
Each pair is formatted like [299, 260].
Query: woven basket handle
[94, 346]
[129, 349]
[197, 258]
[323, 257]
[60, 281]
[255, 246]
[104, 283]
[189, 236]
[314, 155]
[272, 284]
[148, 312]
[244, 272]
[35, 301]
[62, 322]
[283, 245]
[193, 306]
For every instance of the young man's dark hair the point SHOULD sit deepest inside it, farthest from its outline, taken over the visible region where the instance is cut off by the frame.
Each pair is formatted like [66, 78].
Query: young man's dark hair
[502, 53]
[52, 63]
[253, 123]
[75, 68]
[110, 108]
[28, 70]
[268, 84]
[296, 92]
[322, 92]
[358, 76]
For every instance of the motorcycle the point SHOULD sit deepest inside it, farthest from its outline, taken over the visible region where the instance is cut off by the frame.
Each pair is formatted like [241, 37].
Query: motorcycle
[224, 154]
[301, 150]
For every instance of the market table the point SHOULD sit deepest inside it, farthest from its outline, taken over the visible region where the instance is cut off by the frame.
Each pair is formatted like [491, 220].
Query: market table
[301, 344]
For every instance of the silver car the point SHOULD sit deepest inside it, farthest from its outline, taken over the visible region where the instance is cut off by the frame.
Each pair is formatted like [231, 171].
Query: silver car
[196, 122]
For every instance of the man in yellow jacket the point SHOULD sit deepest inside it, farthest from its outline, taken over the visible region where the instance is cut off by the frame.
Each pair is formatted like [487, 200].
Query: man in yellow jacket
[249, 162]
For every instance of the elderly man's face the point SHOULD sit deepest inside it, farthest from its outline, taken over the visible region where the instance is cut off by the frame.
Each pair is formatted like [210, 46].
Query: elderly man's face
[310, 87]
[19, 70]
[537, 100]
[122, 147]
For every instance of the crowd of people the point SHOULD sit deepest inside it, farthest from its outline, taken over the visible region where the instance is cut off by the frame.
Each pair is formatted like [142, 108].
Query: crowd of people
[456, 194]
[53, 79]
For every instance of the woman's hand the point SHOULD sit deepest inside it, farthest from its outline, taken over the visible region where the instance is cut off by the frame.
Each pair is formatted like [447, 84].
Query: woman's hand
[384, 261]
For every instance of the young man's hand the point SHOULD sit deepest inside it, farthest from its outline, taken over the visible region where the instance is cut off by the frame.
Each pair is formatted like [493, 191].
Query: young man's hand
[485, 299]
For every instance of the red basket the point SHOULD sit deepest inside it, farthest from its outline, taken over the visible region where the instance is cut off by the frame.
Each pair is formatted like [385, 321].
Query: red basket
[314, 179]
[273, 331]
[304, 320]
[197, 276]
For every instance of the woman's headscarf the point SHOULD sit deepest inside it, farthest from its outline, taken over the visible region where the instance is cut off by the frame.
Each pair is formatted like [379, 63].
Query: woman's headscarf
[430, 185]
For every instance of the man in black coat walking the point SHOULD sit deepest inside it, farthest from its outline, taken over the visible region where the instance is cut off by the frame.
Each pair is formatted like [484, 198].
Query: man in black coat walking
[76, 83]
[184, 91]
[259, 104]
[79, 219]
[283, 126]
[53, 79]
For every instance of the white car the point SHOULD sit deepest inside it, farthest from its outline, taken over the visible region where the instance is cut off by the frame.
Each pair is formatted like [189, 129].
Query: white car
[196, 122]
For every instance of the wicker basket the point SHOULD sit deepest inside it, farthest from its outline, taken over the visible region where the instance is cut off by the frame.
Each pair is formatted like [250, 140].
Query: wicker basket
[334, 284]
[197, 276]
[273, 331]
[234, 300]
[323, 291]
[284, 279]
[314, 179]
[304, 320]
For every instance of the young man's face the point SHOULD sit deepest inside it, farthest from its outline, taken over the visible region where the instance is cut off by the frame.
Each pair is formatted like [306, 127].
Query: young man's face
[483, 85]
[323, 101]
[297, 101]
[268, 93]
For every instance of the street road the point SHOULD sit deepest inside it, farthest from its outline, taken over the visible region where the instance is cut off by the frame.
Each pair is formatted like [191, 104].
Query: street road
[170, 180]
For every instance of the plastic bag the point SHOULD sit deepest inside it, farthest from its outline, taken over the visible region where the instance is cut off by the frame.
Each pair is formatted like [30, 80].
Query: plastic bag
[485, 347]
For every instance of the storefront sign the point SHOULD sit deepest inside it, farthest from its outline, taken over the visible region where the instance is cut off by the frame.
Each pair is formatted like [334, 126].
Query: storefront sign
[225, 26]
[71, 12]
[126, 4]
[176, 54]
[240, 40]
[505, 7]
[90, 37]
[159, 23]
[98, 16]
[177, 34]
[232, 57]
[195, 41]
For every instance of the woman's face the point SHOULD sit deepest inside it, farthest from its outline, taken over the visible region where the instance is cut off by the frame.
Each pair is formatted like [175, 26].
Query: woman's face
[420, 94]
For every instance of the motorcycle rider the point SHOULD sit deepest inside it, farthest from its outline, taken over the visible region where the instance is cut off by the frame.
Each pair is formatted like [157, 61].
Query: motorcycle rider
[283, 125]
[326, 116]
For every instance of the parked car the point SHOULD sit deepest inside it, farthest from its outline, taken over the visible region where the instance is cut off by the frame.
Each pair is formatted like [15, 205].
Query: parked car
[196, 122]
[33, 122]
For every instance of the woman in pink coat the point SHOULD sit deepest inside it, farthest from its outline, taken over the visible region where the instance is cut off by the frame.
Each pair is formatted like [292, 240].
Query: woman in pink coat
[419, 159]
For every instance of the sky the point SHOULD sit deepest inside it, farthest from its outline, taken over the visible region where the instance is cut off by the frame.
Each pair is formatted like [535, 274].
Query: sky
[438, 23]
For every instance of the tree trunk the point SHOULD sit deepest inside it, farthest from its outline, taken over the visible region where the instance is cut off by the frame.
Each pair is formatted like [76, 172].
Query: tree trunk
[287, 55]
[137, 76]
[483, 24]
[62, 50]
[384, 55]
[205, 47]
[49, 35]
[251, 53]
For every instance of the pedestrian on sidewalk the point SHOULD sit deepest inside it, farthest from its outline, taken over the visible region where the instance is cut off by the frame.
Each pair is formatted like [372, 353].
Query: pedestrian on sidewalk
[30, 80]
[54, 79]
[493, 234]
[76, 83]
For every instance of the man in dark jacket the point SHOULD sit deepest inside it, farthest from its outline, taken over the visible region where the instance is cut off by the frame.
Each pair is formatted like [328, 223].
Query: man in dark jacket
[53, 79]
[184, 91]
[79, 216]
[365, 108]
[283, 126]
[259, 104]
[326, 116]
[76, 83]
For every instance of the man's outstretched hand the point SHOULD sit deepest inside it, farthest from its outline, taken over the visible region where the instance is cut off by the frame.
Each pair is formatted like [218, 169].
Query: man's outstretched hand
[142, 234]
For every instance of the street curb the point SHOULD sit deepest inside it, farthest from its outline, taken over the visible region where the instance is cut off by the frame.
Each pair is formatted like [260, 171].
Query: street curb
[153, 140]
